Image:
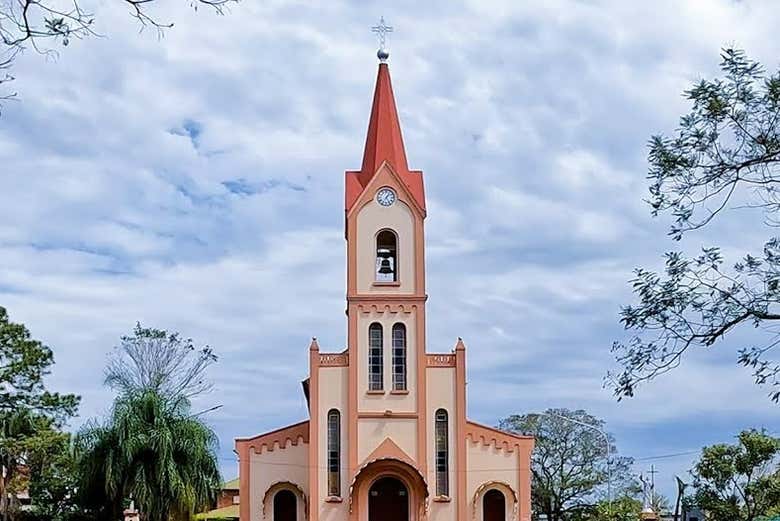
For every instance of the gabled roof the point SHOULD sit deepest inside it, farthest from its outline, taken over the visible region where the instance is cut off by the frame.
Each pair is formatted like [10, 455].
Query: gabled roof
[383, 143]
[388, 449]
[219, 514]
[230, 485]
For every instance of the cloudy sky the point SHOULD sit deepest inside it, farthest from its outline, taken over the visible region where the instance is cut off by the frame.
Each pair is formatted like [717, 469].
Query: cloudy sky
[195, 183]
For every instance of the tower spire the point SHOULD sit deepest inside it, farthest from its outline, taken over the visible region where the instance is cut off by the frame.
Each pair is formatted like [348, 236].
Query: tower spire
[384, 142]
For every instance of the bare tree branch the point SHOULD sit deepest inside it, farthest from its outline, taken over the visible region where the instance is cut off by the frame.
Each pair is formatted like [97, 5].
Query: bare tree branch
[156, 360]
[41, 24]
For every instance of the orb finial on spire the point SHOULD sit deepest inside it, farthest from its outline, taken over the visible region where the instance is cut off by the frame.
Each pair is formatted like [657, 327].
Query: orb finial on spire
[382, 29]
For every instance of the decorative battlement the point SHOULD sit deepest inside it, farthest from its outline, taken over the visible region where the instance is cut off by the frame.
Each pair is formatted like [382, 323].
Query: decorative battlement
[440, 360]
[488, 436]
[334, 359]
[280, 438]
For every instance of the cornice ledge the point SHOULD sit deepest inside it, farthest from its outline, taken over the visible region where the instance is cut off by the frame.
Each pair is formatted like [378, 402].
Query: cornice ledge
[380, 299]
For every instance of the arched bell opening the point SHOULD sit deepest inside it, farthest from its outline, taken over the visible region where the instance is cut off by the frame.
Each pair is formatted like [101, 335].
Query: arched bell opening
[386, 256]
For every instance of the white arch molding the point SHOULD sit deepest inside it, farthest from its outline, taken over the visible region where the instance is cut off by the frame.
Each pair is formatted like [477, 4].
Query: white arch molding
[303, 513]
[504, 488]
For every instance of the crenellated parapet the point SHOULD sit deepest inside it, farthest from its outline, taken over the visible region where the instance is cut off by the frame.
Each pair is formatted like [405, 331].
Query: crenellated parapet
[278, 439]
[439, 360]
[334, 359]
[488, 436]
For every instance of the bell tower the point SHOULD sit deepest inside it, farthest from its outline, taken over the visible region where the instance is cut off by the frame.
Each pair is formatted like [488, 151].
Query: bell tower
[385, 214]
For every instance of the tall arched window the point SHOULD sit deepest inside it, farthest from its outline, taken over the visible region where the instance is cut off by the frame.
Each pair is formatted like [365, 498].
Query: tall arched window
[375, 370]
[442, 454]
[386, 256]
[334, 453]
[399, 357]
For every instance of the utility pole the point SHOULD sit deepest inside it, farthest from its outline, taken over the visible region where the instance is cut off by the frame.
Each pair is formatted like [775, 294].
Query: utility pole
[652, 473]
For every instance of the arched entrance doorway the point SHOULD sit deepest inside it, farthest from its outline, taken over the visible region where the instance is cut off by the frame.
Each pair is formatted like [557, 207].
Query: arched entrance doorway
[406, 485]
[388, 500]
[493, 506]
[285, 506]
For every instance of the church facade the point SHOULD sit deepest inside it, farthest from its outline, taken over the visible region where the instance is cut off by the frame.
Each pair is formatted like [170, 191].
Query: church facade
[387, 437]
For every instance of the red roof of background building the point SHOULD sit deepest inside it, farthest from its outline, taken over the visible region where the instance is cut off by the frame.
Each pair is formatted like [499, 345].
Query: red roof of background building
[384, 143]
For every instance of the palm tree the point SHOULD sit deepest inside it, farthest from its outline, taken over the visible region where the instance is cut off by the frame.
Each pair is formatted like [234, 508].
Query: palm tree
[153, 451]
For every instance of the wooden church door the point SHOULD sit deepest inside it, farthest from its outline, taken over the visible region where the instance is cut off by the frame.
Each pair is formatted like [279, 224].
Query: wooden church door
[388, 500]
[493, 506]
[285, 506]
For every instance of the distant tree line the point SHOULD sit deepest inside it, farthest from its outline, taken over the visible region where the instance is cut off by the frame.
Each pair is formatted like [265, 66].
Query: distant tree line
[571, 473]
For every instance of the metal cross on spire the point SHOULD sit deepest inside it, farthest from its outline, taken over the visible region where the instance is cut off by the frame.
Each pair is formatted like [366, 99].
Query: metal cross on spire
[382, 29]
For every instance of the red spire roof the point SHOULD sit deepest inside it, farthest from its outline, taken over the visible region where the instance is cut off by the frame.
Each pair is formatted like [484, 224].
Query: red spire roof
[384, 143]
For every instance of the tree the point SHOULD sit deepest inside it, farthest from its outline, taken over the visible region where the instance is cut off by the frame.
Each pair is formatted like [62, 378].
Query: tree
[153, 450]
[53, 479]
[23, 364]
[29, 414]
[35, 23]
[726, 153]
[659, 503]
[739, 482]
[624, 508]
[569, 462]
[160, 361]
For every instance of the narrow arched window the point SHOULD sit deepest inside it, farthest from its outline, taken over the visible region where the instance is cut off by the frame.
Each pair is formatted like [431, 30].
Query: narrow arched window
[442, 454]
[375, 370]
[386, 256]
[399, 357]
[334, 453]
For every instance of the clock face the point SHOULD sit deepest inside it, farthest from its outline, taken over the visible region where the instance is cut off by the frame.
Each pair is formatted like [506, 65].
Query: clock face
[385, 196]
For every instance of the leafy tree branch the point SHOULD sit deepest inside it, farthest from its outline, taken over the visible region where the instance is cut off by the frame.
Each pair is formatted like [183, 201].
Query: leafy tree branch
[725, 155]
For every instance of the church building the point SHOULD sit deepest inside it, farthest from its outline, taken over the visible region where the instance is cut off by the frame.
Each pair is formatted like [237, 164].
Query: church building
[387, 438]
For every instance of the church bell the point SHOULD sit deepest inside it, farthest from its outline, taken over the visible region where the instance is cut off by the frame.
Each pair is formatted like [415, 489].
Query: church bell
[385, 267]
